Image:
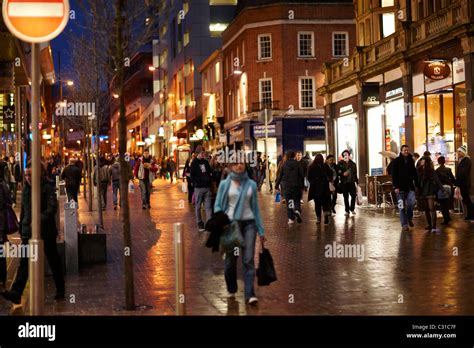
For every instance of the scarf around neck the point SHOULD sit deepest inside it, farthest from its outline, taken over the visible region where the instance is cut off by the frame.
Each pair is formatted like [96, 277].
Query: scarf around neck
[244, 181]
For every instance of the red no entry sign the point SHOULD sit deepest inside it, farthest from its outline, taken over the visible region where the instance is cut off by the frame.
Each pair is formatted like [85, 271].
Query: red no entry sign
[36, 20]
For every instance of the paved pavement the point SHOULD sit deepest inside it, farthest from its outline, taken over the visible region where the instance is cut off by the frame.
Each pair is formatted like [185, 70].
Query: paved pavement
[398, 273]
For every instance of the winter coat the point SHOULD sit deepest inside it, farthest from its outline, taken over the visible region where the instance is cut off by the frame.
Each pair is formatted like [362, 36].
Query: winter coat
[291, 176]
[319, 176]
[4, 201]
[430, 185]
[114, 171]
[171, 166]
[139, 170]
[343, 167]
[72, 176]
[103, 175]
[445, 175]
[463, 173]
[201, 173]
[216, 225]
[49, 206]
[4, 171]
[404, 175]
[14, 169]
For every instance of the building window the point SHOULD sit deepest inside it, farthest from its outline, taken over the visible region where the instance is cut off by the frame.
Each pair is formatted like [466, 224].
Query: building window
[306, 44]
[265, 91]
[306, 92]
[264, 46]
[340, 44]
[387, 3]
[186, 38]
[387, 24]
[218, 72]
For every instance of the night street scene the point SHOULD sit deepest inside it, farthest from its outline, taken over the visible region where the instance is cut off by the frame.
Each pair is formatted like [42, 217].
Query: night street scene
[242, 158]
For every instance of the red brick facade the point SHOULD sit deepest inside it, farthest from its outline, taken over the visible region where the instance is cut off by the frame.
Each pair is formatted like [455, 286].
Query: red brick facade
[283, 23]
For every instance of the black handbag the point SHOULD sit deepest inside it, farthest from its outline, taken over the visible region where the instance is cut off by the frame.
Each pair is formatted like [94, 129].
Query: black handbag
[266, 273]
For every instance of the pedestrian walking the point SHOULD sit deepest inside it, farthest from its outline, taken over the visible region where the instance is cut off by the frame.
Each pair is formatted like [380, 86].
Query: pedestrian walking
[171, 167]
[49, 233]
[145, 170]
[463, 181]
[15, 178]
[405, 182]
[4, 171]
[164, 168]
[319, 177]
[237, 197]
[5, 200]
[347, 170]
[447, 179]
[430, 185]
[72, 178]
[201, 176]
[291, 179]
[114, 172]
[102, 178]
[334, 180]
[278, 172]
[187, 177]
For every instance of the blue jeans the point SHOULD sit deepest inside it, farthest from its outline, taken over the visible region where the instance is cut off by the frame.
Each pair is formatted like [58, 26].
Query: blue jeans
[406, 202]
[203, 194]
[115, 189]
[249, 232]
[145, 188]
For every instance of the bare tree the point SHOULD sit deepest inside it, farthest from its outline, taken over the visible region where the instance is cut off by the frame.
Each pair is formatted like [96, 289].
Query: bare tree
[114, 31]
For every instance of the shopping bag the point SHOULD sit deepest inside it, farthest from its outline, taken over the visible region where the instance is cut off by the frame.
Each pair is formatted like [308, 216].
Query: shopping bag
[12, 221]
[266, 273]
[131, 187]
[457, 194]
[446, 194]
[359, 195]
[167, 175]
[184, 187]
[278, 197]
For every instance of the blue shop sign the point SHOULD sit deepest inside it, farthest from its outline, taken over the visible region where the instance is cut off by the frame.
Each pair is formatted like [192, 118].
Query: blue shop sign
[259, 130]
[315, 127]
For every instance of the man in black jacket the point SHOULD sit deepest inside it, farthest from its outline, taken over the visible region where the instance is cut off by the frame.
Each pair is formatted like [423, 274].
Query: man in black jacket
[347, 171]
[405, 182]
[201, 173]
[291, 177]
[72, 176]
[49, 232]
[15, 178]
[463, 181]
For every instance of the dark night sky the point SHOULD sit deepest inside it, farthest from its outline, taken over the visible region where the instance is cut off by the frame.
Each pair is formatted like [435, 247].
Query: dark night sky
[61, 44]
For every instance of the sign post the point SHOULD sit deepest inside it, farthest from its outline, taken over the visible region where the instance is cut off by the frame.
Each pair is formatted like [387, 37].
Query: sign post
[36, 22]
[267, 118]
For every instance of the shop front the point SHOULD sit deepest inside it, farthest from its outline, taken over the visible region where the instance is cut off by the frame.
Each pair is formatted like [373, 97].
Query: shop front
[346, 128]
[236, 137]
[440, 110]
[385, 127]
[305, 135]
[274, 137]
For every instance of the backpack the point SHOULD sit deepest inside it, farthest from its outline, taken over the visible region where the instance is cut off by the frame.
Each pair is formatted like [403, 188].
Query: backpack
[104, 174]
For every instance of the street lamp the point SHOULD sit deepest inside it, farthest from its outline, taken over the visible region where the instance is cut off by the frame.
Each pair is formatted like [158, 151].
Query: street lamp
[70, 83]
[115, 95]
[71, 130]
[151, 68]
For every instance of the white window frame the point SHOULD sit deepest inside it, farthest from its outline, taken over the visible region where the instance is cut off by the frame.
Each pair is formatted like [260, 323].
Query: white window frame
[312, 44]
[300, 95]
[260, 89]
[260, 48]
[334, 33]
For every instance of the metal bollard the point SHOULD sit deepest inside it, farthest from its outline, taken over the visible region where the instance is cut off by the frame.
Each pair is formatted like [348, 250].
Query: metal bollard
[179, 263]
[71, 238]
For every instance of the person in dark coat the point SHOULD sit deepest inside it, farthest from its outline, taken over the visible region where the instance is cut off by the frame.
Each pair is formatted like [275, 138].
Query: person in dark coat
[171, 167]
[319, 176]
[4, 201]
[347, 170]
[72, 176]
[187, 177]
[463, 181]
[405, 182]
[446, 177]
[334, 179]
[291, 179]
[429, 187]
[49, 233]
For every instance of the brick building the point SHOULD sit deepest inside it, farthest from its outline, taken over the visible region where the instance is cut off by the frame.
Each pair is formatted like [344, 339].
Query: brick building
[273, 53]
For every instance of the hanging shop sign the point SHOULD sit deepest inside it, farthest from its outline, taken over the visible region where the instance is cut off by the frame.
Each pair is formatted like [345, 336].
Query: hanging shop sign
[9, 114]
[437, 70]
[346, 110]
[371, 94]
[394, 94]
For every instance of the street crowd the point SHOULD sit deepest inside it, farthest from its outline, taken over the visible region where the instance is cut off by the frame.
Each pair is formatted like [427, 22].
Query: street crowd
[228, 192]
